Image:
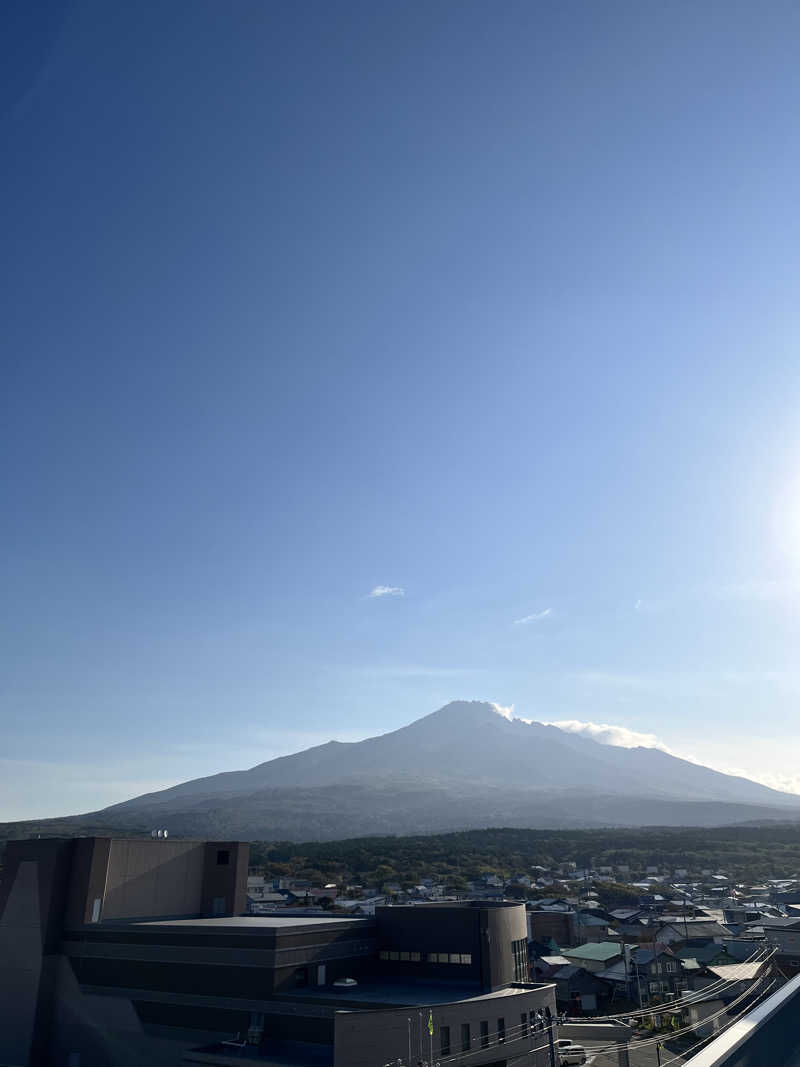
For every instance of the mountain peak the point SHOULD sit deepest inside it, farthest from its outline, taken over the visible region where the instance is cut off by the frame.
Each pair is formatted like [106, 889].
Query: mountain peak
[474, 711]
[469, 764]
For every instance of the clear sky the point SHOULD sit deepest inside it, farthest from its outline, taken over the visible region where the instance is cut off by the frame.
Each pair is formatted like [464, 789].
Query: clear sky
[489, 309]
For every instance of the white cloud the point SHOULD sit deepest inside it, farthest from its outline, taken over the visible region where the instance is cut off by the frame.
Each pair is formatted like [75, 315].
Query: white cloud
[387, 590]
[622, 737]
[506, 712]
[610, 734]
[537, 616]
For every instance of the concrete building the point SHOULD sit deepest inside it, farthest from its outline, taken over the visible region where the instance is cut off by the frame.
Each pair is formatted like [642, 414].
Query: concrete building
[137, 952]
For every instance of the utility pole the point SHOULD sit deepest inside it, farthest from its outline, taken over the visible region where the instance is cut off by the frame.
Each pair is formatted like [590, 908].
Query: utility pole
[409, 1041]
[549, 1017]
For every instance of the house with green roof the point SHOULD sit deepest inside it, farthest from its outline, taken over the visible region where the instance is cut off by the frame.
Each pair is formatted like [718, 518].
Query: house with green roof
[595, 955]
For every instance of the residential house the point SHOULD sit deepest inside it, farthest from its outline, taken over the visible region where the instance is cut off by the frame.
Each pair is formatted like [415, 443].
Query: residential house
[705, 953]
[545, 966]
[594, 956]
[658, 974]
[784, 936]
[578, 990]
[673, 929]
[557, 926]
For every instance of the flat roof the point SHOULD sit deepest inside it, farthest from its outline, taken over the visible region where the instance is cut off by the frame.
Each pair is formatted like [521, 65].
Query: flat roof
[406, 993]
[255, 922]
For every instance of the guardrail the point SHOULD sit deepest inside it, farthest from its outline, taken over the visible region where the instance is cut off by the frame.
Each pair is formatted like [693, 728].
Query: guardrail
[767, 1036]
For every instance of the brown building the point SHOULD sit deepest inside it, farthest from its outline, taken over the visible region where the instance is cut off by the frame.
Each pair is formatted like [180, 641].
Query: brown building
[135, 952]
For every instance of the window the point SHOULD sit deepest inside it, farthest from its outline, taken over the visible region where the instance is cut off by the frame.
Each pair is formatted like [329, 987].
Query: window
[444, 1036]
[455, 957]
[466, 957]
[301, 977]
[444, 957]
[523, 1024]
[223, 857]
[96, 910]
[218, 906]
[519, 951]
[394, 955]
[384, 954]
[671, 968]
[484, 1033]
[465, 1038]
[433, 957]
[415, 957]
[404, 956]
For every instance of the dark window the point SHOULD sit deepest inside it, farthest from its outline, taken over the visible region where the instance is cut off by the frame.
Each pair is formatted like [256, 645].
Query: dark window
[519, 950]
[301, 977]
[444, 1034]
[484, 1033]
[523, 1021]
[501, 1029]
[465, 1038]
[223, 857]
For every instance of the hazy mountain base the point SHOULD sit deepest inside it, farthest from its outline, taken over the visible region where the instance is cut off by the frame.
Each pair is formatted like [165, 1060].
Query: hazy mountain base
[396, 807]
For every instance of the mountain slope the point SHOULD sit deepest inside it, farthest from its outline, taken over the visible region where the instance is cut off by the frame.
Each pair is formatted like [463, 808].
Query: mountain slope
[470, 742]
[461, 767]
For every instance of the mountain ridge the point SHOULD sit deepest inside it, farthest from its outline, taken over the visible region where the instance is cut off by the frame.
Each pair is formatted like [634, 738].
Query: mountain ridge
[463, 766]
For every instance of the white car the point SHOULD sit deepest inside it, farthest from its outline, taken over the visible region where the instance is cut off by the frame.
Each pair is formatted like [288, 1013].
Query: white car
[569, 1052]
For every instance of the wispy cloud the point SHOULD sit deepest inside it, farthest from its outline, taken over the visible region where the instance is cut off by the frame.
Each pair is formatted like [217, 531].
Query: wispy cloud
[537, 616]
[611, 734]
[785, 780]
[387, 590]
[506, 711]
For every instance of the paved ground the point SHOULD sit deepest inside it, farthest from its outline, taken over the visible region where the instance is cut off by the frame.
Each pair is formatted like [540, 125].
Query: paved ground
[641, 1055]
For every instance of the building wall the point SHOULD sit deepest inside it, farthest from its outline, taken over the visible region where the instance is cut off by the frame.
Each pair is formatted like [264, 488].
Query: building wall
[558, 925]
[483, 931]
[53, 886]
[32, 900]
[225, 882]
[367, 1038]
[151, 879]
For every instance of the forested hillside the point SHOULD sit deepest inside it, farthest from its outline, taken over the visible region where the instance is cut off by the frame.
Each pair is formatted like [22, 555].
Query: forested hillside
[747, 852]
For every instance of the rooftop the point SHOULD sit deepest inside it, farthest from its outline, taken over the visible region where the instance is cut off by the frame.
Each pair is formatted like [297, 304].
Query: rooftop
[594, 950]
[370, 991]
[273, 1053]
[254, 922]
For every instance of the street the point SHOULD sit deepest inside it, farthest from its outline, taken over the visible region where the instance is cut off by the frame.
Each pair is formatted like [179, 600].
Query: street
[640, 1055]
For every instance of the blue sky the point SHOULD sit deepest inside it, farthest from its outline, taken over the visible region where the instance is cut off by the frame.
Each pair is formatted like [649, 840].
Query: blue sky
[491, 305]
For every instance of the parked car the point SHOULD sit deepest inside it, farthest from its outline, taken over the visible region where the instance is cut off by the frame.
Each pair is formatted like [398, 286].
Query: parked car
[569, 1052]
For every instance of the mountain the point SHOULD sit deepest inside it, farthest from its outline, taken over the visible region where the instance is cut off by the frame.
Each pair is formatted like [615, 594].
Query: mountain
[464, 766]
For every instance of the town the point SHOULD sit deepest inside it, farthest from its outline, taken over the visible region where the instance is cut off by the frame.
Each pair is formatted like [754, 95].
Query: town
[678, 931]
[161, 950]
